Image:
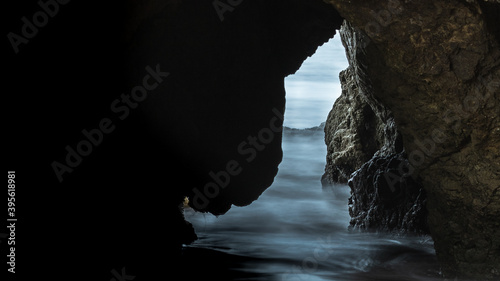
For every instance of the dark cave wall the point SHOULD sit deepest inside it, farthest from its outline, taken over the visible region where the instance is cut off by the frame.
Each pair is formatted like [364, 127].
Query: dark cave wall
[220, 104]
[220, 107]
[218, 115]
[437, 65]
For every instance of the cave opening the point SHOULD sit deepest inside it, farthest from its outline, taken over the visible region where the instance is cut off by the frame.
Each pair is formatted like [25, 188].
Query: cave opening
[429, 78]
[298, 228]
[313, 89]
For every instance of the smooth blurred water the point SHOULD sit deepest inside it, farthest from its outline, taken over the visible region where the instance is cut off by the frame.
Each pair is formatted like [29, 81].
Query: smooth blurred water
[312, 90]
[297, 230]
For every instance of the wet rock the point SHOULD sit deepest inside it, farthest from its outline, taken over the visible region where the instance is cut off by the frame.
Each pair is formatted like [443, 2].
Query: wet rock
[366, 149]
[355, 131]
[384, 197]
[436, 66]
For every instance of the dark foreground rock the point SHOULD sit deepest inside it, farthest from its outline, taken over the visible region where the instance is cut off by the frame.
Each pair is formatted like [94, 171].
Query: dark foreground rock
[192, 97]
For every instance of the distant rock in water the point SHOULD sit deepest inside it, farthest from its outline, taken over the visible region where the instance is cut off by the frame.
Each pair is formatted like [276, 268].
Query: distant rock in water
[316, 130]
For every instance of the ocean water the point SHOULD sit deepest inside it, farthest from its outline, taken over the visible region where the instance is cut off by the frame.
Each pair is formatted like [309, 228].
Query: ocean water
[297, 229]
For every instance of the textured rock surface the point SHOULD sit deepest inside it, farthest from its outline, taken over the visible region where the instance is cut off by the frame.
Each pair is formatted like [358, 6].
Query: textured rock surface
[358, 128]
[355, 131]
[359, 125]
[437, 65]
[384, 199]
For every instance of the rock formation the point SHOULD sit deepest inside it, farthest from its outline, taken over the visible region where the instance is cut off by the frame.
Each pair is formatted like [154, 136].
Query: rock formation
[435, 66]
[384, 199]
[361, 134]
[355, 130]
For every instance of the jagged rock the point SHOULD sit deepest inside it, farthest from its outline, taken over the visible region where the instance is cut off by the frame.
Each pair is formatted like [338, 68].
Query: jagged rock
[385, 198]
[355, 130]
[365, 148]
[436, 66]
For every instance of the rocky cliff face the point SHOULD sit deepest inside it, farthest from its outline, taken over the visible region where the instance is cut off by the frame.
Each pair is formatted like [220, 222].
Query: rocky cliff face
[436, 66]
[359, 125]
[366, 149]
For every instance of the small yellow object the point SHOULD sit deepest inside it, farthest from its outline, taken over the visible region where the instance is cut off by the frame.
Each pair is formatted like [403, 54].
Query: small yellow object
[185, 204]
